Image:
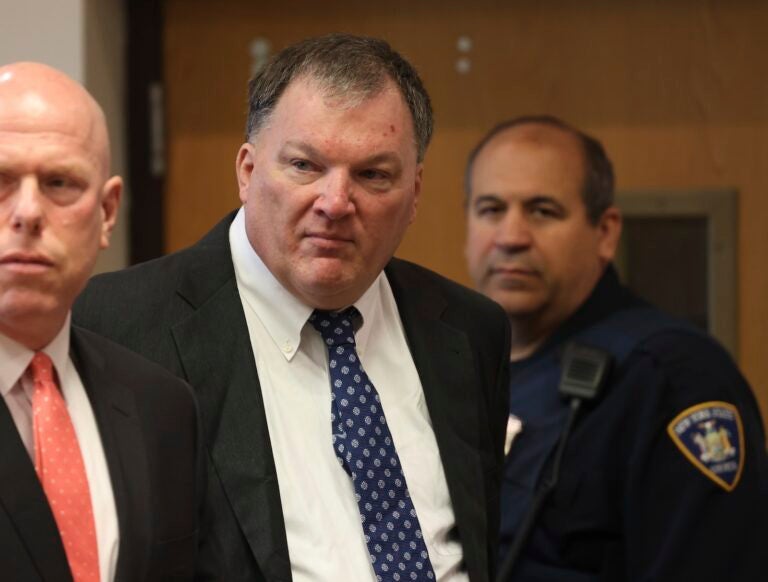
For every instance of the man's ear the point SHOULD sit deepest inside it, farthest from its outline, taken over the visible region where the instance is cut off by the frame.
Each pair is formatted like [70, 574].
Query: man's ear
[609, 233]
[111, 193]
[244, 165]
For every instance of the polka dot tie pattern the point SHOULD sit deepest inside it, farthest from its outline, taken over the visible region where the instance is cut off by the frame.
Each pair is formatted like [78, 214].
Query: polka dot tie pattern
[60, 468]
[364, 446]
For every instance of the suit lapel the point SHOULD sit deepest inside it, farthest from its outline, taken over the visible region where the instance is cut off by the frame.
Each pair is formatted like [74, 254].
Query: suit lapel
[24, 501]
[444, 360]
[215, 351]
[115, 411]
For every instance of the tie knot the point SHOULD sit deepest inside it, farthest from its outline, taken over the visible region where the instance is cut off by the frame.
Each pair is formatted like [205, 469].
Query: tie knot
[42, 367]
[336, 327]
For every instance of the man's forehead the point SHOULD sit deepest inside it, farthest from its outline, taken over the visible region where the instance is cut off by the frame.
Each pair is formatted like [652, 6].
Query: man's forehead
[383, 114]
[340, 97]
[527, 162]
[530, 151]
[50, 148]
[38, 98]
[536, 135]
[23, 120]
[339, 92]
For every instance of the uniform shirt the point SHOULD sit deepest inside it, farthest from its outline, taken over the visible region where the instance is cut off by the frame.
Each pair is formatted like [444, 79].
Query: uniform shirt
[322, 520]
[631, 504]
[17, 388]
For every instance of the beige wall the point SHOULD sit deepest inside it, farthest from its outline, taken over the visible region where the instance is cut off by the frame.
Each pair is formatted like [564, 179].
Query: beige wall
[48, 31]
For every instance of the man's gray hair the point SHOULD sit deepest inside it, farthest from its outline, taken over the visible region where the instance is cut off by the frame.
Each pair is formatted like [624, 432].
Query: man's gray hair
[345, 66]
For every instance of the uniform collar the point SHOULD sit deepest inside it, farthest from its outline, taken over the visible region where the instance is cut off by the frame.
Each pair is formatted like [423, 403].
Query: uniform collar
[608, 296]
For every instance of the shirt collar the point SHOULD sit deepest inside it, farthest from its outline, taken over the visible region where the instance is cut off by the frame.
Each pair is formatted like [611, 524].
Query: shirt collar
[15, 358]
[280, 312]
[369, 306]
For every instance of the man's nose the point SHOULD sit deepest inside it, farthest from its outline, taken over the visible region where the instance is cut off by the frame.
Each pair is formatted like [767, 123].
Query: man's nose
[513, 231]
[27, 210]
[335, 198]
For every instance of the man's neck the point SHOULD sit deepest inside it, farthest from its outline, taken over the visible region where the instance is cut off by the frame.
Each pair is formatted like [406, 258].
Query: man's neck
[34, 333]
[531, 330]
[529, 333]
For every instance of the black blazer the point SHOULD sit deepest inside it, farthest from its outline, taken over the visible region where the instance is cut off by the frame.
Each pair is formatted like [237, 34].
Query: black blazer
[184, 312]
[147, 421]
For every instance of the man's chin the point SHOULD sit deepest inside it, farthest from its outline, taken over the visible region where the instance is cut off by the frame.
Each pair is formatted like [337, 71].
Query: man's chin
[333, 287]
[517, 302]
[25, 309]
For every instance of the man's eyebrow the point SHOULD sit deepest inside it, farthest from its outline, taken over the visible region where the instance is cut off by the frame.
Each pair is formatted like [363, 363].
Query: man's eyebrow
[310, 150]
[76, 170]
[301, 146]
[485, 198]
[543, 199]
[383, 157]
[65, 167]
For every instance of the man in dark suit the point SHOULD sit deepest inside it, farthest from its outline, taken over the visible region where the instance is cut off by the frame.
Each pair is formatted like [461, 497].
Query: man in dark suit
[99, 467]
[289, 295]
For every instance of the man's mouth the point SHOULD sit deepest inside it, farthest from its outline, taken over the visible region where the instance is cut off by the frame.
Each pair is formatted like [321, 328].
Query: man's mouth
[327, 241]
[25, 262]
[513, 271]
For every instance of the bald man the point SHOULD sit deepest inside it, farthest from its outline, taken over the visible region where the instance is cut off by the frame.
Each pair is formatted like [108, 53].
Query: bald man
[99, 463]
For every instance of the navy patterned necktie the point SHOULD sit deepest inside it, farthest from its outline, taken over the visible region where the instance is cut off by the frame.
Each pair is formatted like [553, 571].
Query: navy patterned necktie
[364, 446]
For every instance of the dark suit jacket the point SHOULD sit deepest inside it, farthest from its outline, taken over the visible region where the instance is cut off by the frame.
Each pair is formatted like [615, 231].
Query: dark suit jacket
[184, 312]
[147, 420]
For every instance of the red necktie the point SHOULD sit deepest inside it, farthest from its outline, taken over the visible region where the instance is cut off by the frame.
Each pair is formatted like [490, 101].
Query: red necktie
[61, 471]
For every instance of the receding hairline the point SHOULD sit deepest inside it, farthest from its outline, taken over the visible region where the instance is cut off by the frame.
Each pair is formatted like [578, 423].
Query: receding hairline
[349, 64]
[342, 99]
[598, 188]
[328, 90]
[536, 132]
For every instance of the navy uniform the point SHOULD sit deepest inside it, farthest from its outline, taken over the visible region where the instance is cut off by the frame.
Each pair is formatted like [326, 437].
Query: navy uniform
[664, 477]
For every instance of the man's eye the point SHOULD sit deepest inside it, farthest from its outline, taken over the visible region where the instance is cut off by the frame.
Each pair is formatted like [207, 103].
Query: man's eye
[301, 165]
[545, 211]
[373, 174]
[489, 210]
[63, 189]
[59, 183]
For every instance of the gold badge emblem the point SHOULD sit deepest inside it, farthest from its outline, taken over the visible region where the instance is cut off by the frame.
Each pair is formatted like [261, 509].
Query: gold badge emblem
[710, 435]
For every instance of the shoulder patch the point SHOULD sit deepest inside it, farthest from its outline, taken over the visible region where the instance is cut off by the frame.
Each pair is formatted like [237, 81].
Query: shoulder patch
[710, 435]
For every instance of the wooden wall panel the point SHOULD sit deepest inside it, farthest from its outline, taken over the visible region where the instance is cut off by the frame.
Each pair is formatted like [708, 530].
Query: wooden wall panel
[677, 91]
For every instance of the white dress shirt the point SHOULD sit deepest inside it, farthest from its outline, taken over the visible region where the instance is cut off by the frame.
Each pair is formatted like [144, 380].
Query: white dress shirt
[17, 388]
[322, 520]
